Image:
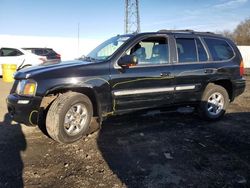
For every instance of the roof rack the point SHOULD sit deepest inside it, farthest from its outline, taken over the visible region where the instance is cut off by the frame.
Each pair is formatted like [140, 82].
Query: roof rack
[178, 31]
[183, 31]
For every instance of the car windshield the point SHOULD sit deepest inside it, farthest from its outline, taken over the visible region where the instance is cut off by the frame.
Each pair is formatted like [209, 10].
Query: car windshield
[107, 48]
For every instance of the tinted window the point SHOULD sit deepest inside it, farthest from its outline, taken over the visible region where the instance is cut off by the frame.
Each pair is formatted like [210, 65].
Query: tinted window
[202, 55]
[10, 52]
[219, 49]
[153, 50]
[39, 51]
[49, 52]
[186, 50]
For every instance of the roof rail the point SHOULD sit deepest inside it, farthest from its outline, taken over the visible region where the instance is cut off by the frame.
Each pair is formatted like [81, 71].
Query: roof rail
[177, 31]
[185, 31]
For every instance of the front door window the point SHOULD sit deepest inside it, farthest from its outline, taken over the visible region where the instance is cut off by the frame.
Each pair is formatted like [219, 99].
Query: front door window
[152, 50]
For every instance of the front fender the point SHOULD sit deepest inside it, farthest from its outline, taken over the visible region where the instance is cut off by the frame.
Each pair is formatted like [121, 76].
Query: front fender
[97, 89]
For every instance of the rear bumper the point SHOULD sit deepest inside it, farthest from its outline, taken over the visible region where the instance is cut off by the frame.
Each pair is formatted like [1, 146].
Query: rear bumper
[23, 109]
[239, 86]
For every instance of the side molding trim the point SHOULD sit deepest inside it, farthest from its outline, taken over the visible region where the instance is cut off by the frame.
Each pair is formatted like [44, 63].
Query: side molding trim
[143, 91]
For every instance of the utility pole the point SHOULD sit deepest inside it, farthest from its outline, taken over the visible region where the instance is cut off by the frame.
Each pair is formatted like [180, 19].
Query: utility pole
[132, 17]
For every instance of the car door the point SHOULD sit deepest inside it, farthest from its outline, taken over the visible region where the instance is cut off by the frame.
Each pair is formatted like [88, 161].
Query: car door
[189, 68]
[148, 84]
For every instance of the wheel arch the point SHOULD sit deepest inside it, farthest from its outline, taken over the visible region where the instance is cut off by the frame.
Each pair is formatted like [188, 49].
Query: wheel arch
[227, 84]
[53, 93]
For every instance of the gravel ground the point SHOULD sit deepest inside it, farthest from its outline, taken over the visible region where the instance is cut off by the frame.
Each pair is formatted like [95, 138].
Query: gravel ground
[153, 149]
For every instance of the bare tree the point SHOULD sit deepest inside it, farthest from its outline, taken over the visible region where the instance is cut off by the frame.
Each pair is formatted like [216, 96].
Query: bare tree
[242, 33]
[227, 33]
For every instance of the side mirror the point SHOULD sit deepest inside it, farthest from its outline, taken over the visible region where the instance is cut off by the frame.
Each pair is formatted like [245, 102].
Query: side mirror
[127, 61]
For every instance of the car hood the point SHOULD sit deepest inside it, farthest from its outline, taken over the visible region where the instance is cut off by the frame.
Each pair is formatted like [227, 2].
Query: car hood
[64, 67]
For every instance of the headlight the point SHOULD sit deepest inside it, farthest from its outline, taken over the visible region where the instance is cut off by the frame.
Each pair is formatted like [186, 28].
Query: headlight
[26, 87]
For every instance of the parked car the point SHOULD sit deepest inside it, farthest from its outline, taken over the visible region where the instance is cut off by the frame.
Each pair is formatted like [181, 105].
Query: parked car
[128, 73]
[48, 52]
[20, 57]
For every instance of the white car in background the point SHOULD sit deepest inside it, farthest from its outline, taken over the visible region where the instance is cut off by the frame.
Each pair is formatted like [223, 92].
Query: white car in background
[20, 57]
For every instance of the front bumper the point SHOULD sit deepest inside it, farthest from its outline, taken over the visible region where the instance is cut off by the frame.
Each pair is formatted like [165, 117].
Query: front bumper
[24, 109]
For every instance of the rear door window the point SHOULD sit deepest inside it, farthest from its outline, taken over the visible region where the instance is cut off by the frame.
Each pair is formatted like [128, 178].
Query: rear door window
[202, 54]
[219, 49]
[186, 49]
[190, 50]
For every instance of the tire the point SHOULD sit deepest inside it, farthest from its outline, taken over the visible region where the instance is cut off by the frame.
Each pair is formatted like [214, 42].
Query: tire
[69, 117]
[214, 102]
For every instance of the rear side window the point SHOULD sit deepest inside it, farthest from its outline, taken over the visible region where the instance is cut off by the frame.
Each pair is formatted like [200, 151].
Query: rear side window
[219, 49]
[39, 51]
[49, 52]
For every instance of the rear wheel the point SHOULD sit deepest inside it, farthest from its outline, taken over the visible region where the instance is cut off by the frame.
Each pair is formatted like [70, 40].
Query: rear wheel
[69, 117]
[214, 102]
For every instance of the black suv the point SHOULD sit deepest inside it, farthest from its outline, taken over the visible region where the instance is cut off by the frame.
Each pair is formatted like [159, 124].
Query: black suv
[128, 73]
[48, 52]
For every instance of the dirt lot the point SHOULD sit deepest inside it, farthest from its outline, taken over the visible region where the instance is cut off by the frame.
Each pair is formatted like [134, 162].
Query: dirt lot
[144, 150]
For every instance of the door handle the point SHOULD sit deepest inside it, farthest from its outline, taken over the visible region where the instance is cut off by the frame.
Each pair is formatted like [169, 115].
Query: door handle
[165, 74]
[208, 71]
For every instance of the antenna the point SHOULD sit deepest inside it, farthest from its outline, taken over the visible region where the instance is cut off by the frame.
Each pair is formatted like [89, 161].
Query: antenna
[132, 18]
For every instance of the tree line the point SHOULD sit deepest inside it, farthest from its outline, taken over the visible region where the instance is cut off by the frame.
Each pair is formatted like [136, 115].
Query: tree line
[241, 34]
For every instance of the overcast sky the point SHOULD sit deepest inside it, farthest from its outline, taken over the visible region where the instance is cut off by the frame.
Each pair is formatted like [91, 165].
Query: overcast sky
[105, 18]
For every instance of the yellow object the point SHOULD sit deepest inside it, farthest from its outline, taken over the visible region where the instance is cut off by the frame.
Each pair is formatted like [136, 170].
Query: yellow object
[8, 71]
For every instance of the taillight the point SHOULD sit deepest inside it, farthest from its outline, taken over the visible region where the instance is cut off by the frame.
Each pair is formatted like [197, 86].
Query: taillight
[242, 70]
[58, 56]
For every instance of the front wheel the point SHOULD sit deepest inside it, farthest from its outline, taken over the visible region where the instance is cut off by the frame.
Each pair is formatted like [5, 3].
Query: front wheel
[69, 117]
[214, 102]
